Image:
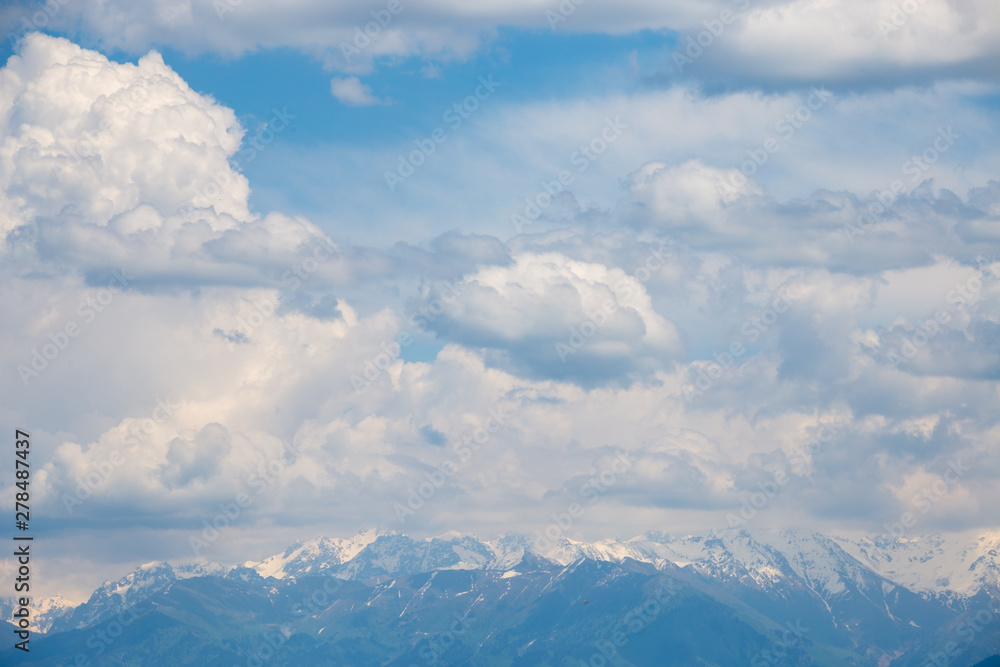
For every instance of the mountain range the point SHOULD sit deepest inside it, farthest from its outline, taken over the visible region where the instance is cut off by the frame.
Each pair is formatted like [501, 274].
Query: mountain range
[721, 598]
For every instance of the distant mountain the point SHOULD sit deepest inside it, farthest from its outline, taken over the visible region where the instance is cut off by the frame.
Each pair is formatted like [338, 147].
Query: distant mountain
[538, 613]
[316, 556]
[933, 565]
[727, 597]
[46, 611]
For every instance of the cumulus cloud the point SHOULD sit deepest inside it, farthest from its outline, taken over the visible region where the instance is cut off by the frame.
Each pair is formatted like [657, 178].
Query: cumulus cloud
[689, 195]
[351, 91]
[105, 164]
[551, 316]
[92, 139]
[723, 209]
[199, 376]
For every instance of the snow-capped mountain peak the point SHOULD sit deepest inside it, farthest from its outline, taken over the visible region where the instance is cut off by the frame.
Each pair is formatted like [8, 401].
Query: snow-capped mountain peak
[316, 556]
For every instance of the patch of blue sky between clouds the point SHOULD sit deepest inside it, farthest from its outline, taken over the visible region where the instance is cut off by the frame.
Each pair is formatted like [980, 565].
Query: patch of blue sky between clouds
[530, 65]
[537, 65]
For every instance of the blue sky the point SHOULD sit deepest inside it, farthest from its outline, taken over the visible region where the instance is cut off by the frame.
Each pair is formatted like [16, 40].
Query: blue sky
[700, 265]
[531, 67]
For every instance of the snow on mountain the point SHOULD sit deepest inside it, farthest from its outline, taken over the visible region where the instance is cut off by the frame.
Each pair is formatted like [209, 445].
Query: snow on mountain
[44, 611]
[758, 559]
[508, 550]
[839, 574]
[933, 564]
[729, 555]
[565, 551]
[819, 561]
[138, 584]
[398, 554]
[375, 552]
[316, 556]
[827, 565]
[190, 570]
[48, 606]
[115, 596]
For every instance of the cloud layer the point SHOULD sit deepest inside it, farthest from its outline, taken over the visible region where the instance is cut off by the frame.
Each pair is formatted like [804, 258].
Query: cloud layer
[792, 41]
[171, 348]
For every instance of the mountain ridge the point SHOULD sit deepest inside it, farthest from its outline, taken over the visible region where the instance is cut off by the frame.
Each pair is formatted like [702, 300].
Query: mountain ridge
[758, 580]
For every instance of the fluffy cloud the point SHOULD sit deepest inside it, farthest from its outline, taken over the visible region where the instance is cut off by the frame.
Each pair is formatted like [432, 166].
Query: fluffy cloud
[351, 91]
[690, 195]
[105, 164]
[191, 383]
[93, 139]
[550, 316]
[717, 209]
[871, 43]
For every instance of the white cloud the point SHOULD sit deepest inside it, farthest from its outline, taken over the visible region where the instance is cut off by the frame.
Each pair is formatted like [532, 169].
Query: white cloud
[90, 139]
[862, 40]
[482, 175]
[690, 194]
[124, 165]
[873, 42]
[351, 91]
[552, 316]
[207, 328]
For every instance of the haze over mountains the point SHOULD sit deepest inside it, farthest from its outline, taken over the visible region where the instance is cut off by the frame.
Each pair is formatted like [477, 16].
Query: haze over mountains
[725, 597]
